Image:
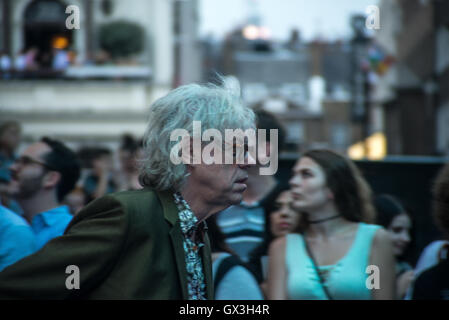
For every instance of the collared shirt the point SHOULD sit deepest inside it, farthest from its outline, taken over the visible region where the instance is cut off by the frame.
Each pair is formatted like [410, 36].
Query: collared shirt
[192, 242]
[50, 224]
[17, 240]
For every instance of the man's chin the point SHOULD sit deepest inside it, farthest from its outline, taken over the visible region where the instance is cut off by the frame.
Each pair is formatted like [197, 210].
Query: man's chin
[237, 198]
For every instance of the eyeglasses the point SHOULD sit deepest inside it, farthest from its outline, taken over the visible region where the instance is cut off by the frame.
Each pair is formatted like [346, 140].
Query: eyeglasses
[25, 160]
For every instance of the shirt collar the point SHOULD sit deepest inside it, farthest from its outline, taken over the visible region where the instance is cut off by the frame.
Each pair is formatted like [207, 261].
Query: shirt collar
[52, 216]
[188, 220]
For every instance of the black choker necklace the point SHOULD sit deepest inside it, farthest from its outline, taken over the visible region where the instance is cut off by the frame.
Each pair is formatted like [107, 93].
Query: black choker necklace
[325, 219]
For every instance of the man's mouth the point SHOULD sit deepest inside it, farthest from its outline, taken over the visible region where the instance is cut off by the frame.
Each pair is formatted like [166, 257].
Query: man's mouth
[242, 180]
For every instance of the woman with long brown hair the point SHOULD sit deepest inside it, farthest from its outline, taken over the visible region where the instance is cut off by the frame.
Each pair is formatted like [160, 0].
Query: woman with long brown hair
[329, 258]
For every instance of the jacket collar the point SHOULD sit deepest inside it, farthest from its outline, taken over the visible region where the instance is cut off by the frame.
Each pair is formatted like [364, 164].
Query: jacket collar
[172, 216]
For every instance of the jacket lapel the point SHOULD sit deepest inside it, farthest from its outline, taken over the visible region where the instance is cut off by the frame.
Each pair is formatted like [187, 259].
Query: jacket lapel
[171, 215]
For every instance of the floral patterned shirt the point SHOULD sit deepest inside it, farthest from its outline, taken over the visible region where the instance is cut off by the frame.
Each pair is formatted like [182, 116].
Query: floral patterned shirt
[192, 243]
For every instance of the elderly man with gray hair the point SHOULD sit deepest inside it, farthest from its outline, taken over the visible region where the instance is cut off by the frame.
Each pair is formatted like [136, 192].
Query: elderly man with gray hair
[149, 243]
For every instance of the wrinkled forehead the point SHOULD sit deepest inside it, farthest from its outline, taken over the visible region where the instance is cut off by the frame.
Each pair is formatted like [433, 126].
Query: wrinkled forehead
[37, 150]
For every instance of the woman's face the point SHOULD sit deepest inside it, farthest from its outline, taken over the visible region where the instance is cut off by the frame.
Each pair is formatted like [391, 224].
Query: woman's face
[308, 186]
[284, 219]
[399, 231]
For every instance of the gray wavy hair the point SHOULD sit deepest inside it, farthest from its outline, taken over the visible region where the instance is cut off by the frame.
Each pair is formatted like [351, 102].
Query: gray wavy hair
[217, 107]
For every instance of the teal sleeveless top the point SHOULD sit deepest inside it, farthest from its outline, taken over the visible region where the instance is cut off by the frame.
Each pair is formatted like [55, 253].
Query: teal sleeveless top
[345, 280]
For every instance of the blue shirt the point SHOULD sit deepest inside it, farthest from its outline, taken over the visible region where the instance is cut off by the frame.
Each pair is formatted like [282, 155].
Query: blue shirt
[50, 224]
[17, 239]
[243, 226]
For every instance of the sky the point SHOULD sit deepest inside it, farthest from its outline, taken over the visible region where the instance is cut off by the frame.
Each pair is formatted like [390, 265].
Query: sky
[327, 18]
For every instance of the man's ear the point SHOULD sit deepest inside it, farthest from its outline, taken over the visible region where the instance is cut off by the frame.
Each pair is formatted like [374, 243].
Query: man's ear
[51, 179]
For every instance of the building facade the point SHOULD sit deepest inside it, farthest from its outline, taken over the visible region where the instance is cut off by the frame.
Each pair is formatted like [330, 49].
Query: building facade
[96, 98]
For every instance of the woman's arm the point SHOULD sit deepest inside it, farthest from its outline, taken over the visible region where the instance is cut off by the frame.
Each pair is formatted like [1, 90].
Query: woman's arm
[277, 273]
[382, 256]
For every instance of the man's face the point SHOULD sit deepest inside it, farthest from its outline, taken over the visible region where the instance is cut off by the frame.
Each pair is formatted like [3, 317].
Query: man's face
[221, 185]
[27, 172]
[11, 137]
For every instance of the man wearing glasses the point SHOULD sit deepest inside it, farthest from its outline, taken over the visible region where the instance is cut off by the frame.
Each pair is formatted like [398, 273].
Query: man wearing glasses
[40, 178]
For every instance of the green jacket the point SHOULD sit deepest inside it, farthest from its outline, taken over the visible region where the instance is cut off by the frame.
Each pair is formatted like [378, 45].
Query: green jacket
[127, 245]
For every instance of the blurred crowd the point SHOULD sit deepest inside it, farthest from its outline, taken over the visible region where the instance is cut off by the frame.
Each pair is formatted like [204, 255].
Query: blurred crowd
[32, 60]
[266, 247]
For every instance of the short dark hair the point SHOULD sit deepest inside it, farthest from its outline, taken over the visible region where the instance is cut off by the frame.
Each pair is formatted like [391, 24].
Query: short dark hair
[87, 155]
[130, 144]
[441, 200]
[7, 124]
[267, 121]
[351, 191]
[64, 161]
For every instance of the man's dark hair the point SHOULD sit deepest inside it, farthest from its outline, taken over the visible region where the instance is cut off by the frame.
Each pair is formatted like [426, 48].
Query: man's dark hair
[130, 144]
[87, 155]
[64, 161]
[267, 121]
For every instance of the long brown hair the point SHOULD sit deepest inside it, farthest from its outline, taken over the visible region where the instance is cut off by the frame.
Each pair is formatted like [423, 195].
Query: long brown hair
[352, 194]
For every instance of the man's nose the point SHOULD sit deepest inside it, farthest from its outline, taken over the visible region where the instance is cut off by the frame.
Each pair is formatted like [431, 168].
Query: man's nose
[249, 161]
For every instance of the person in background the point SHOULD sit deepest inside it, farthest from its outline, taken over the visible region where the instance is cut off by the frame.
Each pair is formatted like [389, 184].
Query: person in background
[5, 65]
[20, 63]
[10, 137]
[281, 220]
[60, 59]
[328, 259]
[244, 224]
[75, 200]
[129, 154]
[40, 178]
[17, 239]
[31, 61]
[395, 219]
[232, 279]
[433, 283]
[99, 180]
